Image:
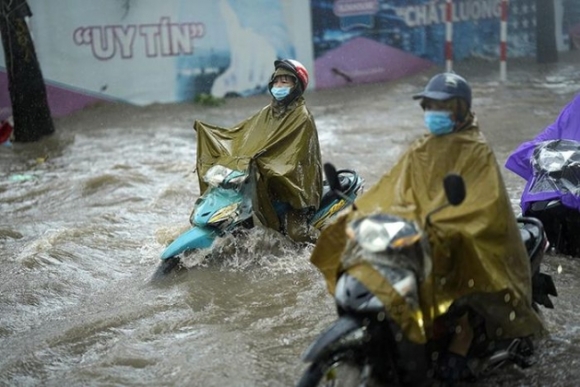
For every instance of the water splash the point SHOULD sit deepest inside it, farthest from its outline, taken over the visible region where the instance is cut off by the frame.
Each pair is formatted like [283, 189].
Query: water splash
[249, 249]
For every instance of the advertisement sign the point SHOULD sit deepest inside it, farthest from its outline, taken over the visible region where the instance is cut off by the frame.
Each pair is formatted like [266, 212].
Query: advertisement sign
[162, 51]
[149, 51]
[377, 40]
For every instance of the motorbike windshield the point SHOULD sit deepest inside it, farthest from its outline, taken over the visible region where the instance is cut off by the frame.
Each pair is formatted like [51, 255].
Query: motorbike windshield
[556, 165]
[220, 175]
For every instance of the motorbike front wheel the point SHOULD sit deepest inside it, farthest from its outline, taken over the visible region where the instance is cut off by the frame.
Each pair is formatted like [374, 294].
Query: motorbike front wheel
[165, 268]
[339, 371]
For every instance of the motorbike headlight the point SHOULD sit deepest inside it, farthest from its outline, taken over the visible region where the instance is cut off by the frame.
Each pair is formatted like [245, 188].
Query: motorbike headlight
[550, 160]
[216, 175]
[385, 240]
[226, 213]
[376, 236]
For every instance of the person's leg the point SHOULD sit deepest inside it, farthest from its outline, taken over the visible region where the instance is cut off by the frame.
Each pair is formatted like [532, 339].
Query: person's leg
[463, 336]
[295, 225]
[452, 365]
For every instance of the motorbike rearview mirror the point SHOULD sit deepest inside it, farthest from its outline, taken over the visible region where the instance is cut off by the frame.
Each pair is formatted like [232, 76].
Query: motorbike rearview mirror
[454, 189]
[332, 178]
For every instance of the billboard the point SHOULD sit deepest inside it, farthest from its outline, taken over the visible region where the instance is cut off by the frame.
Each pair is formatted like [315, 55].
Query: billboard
[379, 40]
[162, 51]
[150, 51]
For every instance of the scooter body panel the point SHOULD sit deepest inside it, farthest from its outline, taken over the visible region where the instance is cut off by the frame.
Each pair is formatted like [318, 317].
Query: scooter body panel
[216, 212]
[209, 205]
[194, 238]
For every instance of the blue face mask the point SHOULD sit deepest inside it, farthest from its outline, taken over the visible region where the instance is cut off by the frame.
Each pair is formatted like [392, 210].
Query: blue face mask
[439, 122]
[280, 92]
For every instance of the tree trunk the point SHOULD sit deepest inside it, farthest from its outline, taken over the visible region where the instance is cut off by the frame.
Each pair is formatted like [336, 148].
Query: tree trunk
[30, 111]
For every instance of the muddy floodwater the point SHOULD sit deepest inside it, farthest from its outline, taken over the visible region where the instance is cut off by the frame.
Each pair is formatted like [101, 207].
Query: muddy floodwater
[87, 212]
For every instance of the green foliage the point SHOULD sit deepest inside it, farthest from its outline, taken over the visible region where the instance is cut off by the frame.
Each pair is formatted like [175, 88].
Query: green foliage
[208, 100]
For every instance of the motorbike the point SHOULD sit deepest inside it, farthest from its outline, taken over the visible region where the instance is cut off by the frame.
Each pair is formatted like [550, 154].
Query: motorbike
[364, 347]
[553, 193]
[227, 206]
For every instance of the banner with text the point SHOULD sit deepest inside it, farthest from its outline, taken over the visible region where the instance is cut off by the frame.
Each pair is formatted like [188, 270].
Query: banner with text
[377, 40]
[162, 51]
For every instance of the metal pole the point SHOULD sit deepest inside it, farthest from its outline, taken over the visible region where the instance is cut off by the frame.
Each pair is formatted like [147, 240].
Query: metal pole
[449, 36]
[503, 41]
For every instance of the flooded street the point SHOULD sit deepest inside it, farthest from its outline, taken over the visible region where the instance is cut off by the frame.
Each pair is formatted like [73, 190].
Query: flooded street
[87, 212]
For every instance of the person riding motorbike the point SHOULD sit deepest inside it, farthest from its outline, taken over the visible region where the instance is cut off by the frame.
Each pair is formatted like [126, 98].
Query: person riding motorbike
[565, 127]
[480, 266]
[285, 137]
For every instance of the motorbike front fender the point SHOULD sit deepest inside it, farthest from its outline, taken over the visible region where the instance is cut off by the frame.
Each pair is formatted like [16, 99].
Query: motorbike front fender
[339, 329]
[194, 238]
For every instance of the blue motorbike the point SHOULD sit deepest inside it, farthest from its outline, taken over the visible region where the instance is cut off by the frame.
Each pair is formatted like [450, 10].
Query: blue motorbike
[227, 205]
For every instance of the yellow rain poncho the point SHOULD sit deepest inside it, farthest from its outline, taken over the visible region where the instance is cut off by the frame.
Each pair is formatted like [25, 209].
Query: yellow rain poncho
[289, 162]
[477, 252]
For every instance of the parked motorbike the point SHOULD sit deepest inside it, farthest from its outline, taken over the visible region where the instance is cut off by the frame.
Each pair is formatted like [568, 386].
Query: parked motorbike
[227, 205]
[364, 347]
[553, 193]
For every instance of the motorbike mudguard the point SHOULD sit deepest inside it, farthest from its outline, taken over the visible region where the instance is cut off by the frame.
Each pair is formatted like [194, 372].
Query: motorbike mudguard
[340, 328]
[194, 238]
